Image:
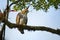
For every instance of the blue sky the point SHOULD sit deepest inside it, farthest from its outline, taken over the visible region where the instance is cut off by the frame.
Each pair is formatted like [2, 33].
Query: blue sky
[35, 18]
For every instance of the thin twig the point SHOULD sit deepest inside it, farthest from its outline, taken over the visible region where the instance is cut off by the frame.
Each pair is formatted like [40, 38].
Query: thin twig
[14, 3]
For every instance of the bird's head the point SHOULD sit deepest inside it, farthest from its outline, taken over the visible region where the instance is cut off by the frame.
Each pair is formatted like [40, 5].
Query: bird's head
[25, 11]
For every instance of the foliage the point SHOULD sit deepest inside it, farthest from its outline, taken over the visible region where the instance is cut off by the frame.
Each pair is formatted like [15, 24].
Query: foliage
[37, 4]
[19, 5]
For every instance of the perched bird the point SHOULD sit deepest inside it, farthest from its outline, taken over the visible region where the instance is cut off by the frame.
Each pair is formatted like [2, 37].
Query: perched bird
[21, 18]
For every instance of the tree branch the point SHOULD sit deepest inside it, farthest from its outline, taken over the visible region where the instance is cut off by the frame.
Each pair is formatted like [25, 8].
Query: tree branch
[14, 3]
[33, 28]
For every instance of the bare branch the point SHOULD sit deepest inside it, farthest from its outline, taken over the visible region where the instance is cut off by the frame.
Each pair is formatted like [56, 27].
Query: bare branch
[33, 28]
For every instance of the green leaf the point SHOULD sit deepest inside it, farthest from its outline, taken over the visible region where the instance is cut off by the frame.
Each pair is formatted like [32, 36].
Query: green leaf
[37, 4]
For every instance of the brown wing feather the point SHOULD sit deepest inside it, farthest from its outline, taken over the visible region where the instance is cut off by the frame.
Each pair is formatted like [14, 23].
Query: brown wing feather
[17, 19]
